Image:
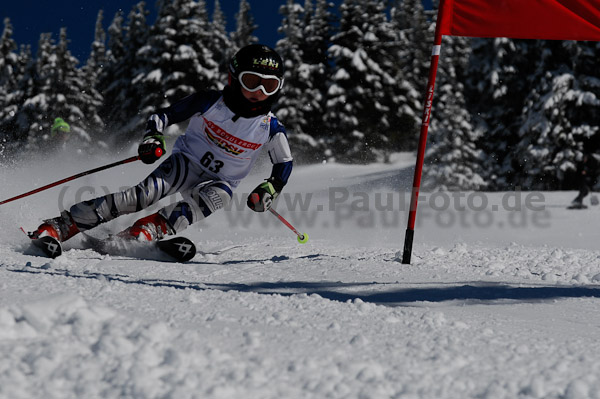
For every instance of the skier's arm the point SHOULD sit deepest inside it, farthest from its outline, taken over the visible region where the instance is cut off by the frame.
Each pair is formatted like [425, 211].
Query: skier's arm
[281, 157]
[181, 110]
[278, 149]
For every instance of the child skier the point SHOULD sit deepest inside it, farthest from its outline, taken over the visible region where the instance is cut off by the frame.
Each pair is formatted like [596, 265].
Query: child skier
[226, 130]
[587, 173]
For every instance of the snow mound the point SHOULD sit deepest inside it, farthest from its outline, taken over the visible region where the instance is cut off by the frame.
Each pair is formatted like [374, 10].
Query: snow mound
[62, 346]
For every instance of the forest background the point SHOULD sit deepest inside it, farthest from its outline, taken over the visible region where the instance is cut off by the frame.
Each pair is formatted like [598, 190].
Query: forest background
[507, 113]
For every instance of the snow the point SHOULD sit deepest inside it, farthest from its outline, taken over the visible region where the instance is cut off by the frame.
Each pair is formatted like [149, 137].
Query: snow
[500, 301]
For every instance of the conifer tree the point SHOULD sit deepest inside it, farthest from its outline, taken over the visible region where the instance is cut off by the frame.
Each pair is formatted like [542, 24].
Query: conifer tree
[93, 69]
[290, 107]
[244, 27]
[9, 76]
[33, 120]
[304, 50]
[96, 62]
[411, 47]
[13, 122]
[357, 104]
[116, 51]
[121, 99]
[176, 61]
[219, 43]
[71, 97]
[8, 59]
[560, 114]
[496, 87]
[317, 33]
[56, 88]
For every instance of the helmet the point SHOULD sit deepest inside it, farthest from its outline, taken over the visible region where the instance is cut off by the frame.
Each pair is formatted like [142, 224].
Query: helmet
[260, 60]
[59, 126]
[254, 67]
[256, 58]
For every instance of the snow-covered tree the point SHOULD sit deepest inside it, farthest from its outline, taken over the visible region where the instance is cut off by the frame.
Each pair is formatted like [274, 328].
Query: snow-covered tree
[497, 83]
[304, 49]
[358, 103]
[116, 34]
[8, 60]
[219, 43]
[290, 107]
[97, 60]
[9, 77]
[70, 96]
[244, 27]
[317, 33]
[412, 53]
[121, 101]
[561, 114]
[56, 88]
[176, 61]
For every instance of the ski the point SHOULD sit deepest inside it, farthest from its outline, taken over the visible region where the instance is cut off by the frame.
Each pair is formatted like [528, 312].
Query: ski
[179, 249]
[577, 206]
[51, 247]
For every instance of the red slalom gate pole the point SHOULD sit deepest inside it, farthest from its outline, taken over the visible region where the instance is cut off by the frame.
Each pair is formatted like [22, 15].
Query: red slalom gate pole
[302, 238]
[56, 183]
[412, 214]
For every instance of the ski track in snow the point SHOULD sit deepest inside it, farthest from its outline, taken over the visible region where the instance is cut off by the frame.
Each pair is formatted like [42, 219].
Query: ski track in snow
[488, 313]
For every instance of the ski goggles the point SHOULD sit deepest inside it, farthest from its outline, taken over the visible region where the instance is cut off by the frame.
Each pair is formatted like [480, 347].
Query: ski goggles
[253, 81]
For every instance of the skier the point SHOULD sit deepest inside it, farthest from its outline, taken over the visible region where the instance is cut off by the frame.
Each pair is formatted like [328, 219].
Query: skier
[587, 171]
[59, 126]
[225, 132]
[59, 133]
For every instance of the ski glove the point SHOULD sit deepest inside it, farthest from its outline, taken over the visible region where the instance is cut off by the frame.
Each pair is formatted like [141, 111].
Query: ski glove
[152, 147]
[261, 199]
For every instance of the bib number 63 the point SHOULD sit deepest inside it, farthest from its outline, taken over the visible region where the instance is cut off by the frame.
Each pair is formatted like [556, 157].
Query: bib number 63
[209, 162]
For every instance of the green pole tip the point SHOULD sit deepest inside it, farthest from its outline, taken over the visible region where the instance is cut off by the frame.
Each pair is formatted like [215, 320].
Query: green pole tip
[302, 239]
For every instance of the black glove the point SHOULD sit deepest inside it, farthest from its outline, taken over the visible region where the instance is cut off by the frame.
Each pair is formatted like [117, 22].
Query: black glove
[261, 199]
[152, 147]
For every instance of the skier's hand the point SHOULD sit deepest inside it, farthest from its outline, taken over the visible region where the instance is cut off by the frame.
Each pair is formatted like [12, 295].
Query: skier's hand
[152, 148]
[261, 199]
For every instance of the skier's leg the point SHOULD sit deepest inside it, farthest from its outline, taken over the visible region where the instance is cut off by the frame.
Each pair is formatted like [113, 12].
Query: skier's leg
[169, 177]
[584, 190]
[198, 203]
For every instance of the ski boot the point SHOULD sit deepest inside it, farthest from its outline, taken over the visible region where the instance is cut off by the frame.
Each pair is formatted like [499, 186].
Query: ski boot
[150, 228]
[61, 228]
[577, 203]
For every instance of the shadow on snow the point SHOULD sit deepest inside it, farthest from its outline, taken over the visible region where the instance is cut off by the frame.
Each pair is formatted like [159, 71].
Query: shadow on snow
[474, 292]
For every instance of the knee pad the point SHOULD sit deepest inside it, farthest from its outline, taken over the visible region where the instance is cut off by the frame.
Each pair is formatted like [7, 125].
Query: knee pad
[211, 197]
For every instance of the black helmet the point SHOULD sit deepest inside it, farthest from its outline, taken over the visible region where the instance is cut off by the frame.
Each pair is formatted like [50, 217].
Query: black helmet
[259, 59]
[256, 58]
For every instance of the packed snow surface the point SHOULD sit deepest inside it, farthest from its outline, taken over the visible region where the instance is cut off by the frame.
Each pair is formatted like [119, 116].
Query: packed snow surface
[500, 300]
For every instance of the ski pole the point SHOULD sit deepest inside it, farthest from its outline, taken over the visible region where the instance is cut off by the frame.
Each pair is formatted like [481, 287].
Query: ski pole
[56, 183]
[302, 238]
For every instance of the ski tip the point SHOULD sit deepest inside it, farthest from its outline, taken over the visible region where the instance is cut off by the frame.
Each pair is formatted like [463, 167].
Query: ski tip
[51, 247]
[180, 248]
